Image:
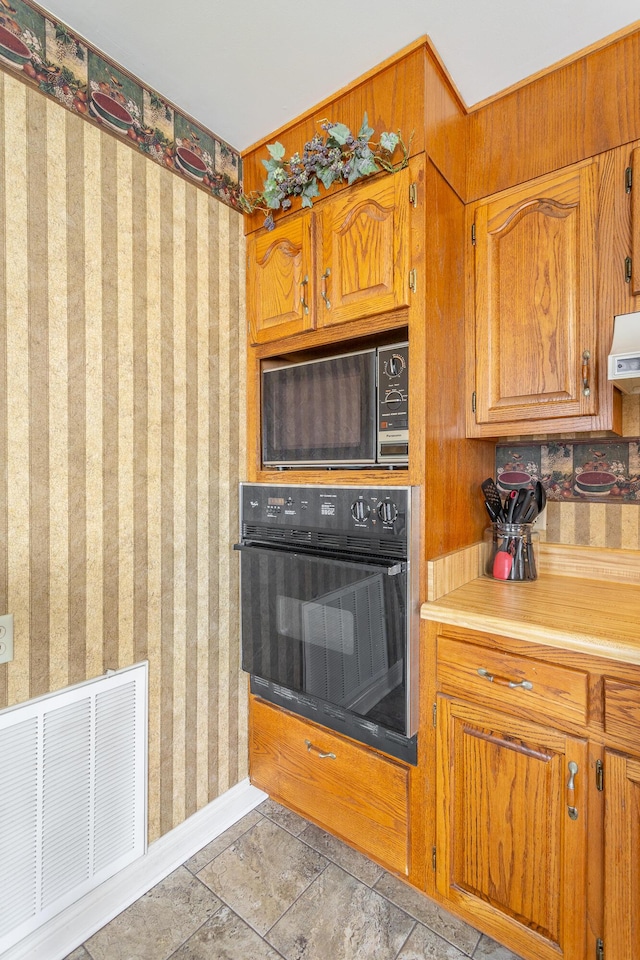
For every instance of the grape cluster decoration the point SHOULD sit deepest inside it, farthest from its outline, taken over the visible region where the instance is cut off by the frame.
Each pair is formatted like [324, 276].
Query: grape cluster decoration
[325, 159]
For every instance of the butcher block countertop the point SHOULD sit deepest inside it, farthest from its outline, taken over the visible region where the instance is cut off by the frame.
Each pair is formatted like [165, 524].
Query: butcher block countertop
[584, 599]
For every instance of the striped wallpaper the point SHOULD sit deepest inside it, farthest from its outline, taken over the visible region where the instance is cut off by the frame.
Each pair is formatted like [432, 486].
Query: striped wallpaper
[121, 443]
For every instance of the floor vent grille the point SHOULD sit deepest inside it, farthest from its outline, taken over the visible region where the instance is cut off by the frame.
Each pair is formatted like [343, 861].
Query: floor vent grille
[72, 795]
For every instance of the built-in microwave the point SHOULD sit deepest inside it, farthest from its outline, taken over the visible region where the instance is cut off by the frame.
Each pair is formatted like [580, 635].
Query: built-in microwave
[349, 410]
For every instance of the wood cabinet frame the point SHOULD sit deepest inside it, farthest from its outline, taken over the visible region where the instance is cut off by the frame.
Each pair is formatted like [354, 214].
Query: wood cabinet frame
[604, 894]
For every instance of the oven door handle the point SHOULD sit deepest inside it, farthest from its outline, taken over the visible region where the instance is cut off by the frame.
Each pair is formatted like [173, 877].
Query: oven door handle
[392, 569]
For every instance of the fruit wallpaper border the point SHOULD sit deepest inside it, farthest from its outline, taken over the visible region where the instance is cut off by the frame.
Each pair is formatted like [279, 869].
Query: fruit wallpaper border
[598, 471]
[64, 66]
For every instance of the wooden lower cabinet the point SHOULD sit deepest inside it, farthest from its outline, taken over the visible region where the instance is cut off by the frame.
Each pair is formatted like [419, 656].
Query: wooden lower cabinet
[622, 856]
[511, 835]
[530, 793]
[537, 795]
[351, 791]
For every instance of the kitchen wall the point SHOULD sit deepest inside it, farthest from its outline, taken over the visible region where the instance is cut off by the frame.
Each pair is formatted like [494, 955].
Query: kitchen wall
[612, 524]
[121, 443]
[575, 515]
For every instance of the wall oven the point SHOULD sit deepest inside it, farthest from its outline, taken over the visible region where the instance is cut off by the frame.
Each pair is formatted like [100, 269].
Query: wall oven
[329, 606]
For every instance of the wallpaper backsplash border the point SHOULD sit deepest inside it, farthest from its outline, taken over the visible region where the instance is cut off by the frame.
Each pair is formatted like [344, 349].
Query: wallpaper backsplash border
[43, 52]
[591, 470]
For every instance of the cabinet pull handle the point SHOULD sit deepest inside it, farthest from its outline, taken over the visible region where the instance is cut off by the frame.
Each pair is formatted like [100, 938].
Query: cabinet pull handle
[305, 305]
[323, 292]
[504, 681]
[571, 786]
[586, 357]
[321, 755]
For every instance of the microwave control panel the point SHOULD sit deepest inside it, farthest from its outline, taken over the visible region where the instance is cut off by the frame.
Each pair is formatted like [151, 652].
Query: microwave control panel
[393, 403]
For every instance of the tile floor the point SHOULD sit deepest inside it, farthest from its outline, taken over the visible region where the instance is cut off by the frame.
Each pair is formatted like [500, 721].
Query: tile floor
[275, 887]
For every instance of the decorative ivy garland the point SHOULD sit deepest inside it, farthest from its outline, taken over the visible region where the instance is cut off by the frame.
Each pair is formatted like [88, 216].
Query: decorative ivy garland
[338, 156]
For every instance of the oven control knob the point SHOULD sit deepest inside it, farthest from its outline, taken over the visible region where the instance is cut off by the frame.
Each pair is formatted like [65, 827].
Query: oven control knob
[394, 365]
[387, 512]
[392, 398]
[360, 510]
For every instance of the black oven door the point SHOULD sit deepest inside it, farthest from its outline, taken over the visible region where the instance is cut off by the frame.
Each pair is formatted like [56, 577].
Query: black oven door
[328, 626]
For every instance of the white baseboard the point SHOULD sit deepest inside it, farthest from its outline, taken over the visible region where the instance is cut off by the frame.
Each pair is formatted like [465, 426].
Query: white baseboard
[62, 934]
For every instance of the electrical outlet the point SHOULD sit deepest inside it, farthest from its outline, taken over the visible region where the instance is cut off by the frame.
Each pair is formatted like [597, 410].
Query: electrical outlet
[541, 521]
[6, 638]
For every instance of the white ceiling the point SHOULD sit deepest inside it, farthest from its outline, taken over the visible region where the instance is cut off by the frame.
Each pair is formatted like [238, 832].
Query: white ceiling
[243, 68]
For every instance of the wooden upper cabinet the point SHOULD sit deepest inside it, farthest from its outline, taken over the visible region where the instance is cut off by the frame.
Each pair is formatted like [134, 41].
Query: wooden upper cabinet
[280, 280]
[347, 259]
[512, 829]
[363, 250]
[635, 221]
[535, 302]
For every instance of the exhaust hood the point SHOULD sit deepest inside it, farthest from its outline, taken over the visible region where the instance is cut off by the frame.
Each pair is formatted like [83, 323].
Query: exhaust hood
[624, 359]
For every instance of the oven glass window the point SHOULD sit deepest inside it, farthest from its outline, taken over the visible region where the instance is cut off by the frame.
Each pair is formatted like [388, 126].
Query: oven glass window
[320, 412]
[334, 629]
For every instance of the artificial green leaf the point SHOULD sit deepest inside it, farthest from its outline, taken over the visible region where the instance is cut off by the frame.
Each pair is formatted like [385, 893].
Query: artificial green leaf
[306, 202]
[366, 132]
[276, 150]
[310, 189]
[363, 151]
[366, 166]
[389, 141]
[271, 166]
[272, 195]
[327, 176]
[340, 133]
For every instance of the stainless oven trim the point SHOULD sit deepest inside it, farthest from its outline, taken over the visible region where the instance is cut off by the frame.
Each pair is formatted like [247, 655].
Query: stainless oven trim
[414, 552]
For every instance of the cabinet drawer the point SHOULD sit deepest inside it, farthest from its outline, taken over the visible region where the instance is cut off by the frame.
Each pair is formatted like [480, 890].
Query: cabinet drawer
[622, 710]
[351, 791]
[530, 688]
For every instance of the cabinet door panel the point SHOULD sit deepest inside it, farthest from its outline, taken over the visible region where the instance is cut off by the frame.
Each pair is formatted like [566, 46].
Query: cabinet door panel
[533, 689]
[353, 792]
[635, 222]
[535, 287]
[508, 851]
[364, 251]
[622, 856]
[279, 287]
